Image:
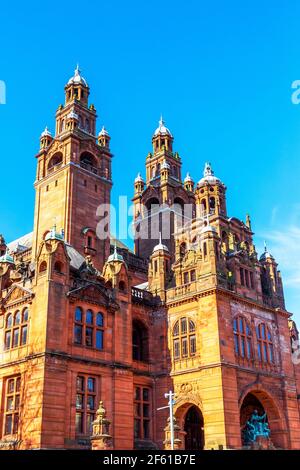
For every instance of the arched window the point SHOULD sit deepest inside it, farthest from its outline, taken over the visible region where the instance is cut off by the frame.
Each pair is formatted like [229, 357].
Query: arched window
[203, 207]
[140, 346]
[212, 203]
[43, 267]
[88, 161]
[16, 329]
[122, 285]
[182, 249]
[58, 267]
[178, 212]
[265, 349]
[55, 160]
[89, 328]
[224, 242]
[242, 337]
[184, 338]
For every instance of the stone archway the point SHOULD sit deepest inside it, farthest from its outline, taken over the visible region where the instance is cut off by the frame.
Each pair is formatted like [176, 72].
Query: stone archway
[260, 400]
[190, 419]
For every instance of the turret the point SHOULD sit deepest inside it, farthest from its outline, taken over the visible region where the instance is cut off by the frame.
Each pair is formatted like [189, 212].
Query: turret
[2, 245]
[271, 280]
[159, 269]
[210, 194]
[45, 138]
[103, 138]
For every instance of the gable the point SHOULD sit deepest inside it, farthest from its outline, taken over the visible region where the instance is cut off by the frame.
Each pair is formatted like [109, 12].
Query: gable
[94, 294]
[17, 294]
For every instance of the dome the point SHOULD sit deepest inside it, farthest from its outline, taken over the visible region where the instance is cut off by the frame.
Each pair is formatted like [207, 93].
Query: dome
[7, 259]
[188, 179]
[72, 115]
[77, 78]
[139, 178]
[208, 176]
[208, 228]
[46, 133]
[54, 235]
[162, 129]
[165, 165]
[266, 254]
[160, 246]
[115, 256]
[103, 132]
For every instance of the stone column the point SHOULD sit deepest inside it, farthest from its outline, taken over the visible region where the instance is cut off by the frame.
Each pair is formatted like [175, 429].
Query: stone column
[101, 439]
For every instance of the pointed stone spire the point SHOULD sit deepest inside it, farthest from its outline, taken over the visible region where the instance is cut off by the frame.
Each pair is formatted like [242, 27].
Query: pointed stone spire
[248, 221]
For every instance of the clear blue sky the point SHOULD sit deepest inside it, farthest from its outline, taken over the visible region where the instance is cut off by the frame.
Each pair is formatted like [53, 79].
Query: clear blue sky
[220, 72]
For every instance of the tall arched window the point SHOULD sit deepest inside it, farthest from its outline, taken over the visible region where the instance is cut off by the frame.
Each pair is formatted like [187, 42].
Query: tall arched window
[140, 344]
[55, 160]
[265, 349]
[184, 338]
[242, 337]
[16, 329]
[89, 328]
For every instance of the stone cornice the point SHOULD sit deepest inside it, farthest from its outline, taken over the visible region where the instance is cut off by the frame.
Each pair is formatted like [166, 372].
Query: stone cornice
[194, 296]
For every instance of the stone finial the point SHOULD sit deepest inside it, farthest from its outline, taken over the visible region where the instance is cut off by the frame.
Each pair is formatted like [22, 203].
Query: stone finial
[101, 438]
[177, 434]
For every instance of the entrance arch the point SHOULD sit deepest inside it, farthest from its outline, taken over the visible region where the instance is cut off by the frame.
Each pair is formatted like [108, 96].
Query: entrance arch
[261, 401]
[194, 429]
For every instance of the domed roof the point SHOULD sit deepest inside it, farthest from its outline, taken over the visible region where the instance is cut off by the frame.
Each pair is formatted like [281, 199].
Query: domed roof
[103, 132]
[160, 246]
[165, 165]
[208, 176]
[7, 258]
[54, 235]
[208, 228]
[72, 115]
[46, 132]
[115, 256]
[266, 254]
[77, 78]
[162, 129]
[139, 178]
[188, 179]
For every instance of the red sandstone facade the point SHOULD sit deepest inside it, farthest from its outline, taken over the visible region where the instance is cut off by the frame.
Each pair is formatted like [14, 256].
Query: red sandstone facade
[196, 311]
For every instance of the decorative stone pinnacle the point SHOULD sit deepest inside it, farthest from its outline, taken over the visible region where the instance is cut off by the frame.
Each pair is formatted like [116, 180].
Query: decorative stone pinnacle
[208, 171]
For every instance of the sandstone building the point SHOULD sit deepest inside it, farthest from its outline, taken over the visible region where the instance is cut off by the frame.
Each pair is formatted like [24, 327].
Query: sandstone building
[84, 319]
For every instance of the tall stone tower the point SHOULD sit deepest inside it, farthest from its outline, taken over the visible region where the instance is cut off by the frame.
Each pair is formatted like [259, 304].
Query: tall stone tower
[74, 177]
[163, 201]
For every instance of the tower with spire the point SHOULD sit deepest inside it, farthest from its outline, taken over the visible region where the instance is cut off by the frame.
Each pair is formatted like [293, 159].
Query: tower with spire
[74, 175]
[163, 196]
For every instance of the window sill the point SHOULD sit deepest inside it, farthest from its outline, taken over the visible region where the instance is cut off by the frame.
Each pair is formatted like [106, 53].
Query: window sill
[89, 348]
